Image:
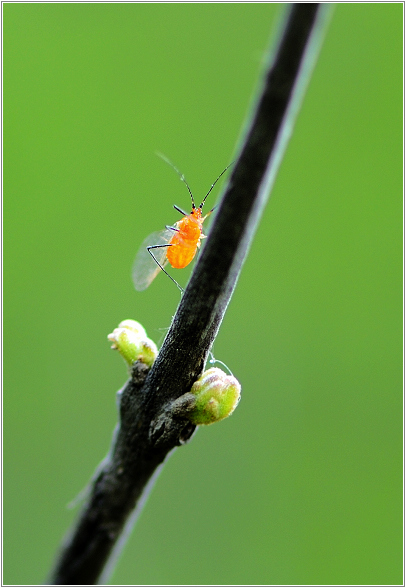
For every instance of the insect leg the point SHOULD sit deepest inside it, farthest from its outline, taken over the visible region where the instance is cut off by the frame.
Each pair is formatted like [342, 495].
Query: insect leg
[162, 268]
[179, 210]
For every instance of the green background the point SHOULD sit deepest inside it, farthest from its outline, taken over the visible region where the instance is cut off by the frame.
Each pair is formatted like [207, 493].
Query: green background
[303, 485]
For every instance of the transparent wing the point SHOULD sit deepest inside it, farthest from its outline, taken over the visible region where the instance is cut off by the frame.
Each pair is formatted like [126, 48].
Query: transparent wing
[145, 268]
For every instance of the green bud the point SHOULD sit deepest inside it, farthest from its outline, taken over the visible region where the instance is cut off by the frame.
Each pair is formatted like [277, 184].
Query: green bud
[133, 344]
[134, 326]
[217, 395]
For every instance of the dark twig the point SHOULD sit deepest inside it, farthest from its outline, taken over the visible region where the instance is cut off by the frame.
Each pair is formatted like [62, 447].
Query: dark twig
[154, 405]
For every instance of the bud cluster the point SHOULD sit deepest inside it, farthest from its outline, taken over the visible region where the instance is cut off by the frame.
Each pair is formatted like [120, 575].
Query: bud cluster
[130, 338]
[217, 396]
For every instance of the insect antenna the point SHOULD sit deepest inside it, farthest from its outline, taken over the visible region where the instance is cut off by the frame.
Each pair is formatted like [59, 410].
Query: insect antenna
[182, 177]
[214, 183]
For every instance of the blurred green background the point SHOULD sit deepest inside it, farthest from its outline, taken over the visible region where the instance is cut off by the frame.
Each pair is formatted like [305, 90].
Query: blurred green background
[303, 485]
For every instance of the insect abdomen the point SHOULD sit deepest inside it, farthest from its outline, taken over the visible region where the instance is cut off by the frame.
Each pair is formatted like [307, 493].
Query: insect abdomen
[181, 252]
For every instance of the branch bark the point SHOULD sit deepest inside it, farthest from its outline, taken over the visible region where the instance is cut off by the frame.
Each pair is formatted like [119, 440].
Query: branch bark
[153, 404]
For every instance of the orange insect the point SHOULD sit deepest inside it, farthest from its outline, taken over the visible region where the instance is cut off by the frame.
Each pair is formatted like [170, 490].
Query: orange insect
[176, 245]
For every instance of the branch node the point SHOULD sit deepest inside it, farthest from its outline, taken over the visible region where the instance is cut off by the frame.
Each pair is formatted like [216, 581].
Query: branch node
[172, 426]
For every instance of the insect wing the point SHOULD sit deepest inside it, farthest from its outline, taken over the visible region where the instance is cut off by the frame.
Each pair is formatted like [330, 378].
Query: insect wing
[145, 268]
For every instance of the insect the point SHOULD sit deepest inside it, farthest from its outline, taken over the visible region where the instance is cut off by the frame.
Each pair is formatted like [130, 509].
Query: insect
[176, 244]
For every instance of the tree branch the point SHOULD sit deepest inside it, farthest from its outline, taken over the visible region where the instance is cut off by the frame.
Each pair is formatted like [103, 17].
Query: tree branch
[153, 404]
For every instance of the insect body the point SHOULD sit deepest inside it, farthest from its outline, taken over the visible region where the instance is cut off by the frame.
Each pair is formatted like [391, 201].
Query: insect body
[186, 239]
[176, 245]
